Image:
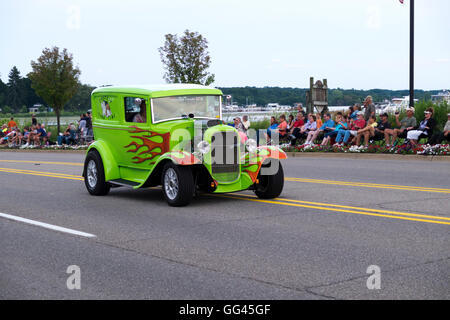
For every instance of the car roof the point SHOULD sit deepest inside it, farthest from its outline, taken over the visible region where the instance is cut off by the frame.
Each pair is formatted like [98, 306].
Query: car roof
[160, 89]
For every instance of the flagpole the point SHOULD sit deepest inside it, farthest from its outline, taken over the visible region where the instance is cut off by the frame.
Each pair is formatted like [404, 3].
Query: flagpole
[411, 55]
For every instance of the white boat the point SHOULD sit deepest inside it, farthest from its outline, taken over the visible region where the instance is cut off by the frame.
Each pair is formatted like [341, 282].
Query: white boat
[398, 104]
[443, 96]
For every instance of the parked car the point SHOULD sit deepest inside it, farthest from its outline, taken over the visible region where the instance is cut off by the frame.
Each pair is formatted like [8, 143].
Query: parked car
[173, 135]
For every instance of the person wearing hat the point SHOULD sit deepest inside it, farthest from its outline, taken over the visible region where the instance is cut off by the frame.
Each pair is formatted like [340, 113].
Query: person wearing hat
[383, 124]
[406, 124]
[424, 129]
[369, 108]
[439, 137]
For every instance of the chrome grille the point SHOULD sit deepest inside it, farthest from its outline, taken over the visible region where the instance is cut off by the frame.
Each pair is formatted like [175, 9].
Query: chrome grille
[225, 156]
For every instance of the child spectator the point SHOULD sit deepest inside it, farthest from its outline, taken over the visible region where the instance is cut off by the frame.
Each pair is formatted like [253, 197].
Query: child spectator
[367, 132]
[344, 135]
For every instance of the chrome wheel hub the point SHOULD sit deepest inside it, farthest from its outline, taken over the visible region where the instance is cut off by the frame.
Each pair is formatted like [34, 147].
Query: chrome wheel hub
[171, 183]
[92, 174]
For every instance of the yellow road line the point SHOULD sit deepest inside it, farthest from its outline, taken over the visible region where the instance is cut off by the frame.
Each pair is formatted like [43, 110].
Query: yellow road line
[287, 202]
[291, 179]
[362, 184]
[335, 209]
[370, 185]
[43, 174]
[356, 208]
[44, 162]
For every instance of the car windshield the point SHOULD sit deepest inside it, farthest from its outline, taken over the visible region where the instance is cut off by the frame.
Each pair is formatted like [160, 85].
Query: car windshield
[177, 107]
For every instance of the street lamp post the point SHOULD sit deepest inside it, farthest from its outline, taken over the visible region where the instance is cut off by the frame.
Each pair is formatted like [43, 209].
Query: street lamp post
[411, 55]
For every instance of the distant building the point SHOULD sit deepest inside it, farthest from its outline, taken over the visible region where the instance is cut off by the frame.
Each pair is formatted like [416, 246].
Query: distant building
[443, 96]
[33, 109]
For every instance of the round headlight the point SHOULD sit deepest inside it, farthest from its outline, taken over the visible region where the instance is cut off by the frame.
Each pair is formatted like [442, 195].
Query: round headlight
[203, 146]
[251, 145]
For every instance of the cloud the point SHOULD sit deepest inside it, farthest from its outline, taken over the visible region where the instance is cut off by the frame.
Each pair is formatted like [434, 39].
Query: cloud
[442, 60]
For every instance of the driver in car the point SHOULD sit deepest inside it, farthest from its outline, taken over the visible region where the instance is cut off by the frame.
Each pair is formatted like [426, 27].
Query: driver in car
[141, 116]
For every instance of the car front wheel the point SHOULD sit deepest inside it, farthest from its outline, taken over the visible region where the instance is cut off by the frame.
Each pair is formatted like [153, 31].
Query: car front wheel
[94, 175]
[177, 184]
[270, 186]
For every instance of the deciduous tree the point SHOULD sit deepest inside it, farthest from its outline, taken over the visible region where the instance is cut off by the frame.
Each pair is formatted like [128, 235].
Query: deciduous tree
[186, 59]
[54, 78]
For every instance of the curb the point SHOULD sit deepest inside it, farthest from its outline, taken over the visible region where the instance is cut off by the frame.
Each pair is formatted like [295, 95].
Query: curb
[369, 156]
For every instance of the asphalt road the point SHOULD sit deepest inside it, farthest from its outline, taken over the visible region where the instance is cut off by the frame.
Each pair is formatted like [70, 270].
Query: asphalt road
[335, 218]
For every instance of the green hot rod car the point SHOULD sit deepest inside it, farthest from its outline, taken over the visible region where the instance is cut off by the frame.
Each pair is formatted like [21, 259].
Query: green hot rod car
[173, 135]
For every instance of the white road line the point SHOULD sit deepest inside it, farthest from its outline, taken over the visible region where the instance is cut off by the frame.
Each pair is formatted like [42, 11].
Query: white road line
[46, 225]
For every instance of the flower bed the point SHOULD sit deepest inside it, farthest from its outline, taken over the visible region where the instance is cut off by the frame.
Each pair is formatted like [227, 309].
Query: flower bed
[426, 149]
[50, 147]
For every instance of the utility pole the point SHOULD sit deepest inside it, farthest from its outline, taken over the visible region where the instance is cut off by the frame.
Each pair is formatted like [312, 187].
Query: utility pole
[411, 55]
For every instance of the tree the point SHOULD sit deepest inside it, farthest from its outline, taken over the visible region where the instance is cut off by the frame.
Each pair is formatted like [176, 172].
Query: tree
[81, 101]
[186, 59]
[14, 93]
[54, 78]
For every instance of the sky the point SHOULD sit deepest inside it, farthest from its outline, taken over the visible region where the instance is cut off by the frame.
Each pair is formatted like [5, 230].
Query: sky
[361, 44]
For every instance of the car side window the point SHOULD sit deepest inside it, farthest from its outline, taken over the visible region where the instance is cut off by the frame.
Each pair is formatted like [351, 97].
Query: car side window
[135, 109]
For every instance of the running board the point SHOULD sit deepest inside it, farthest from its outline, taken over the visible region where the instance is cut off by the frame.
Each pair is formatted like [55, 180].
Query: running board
[123, 182]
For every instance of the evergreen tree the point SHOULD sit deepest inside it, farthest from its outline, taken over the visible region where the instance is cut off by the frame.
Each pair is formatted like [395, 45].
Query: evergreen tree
[15, 92]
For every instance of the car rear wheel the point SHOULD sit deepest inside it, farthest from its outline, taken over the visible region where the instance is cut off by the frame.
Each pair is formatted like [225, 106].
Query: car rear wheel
[270, 186]
[94, 175]
[177, 184]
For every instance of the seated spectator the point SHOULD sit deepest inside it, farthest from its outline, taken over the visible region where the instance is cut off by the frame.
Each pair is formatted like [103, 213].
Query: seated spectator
[30, 137]
[41, 135]
[367, 132]
[3, 130]
[408, 123]
[305, 129]
[282, 128]
[290, 122]
[296, 125]
[319, 120]
[14, 138]
[68, 137]
[341, 124]
[326, 128]
[353, 114]
[24, 135]
[237, 124]
[438, 138]
[383, 124]
[273, 126]
[344, 135]
[245, 123]
[423, 130]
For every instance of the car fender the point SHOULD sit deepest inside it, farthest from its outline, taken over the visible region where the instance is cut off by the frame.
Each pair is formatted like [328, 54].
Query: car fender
[182, 158]
[252, 162]
[109, 163]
